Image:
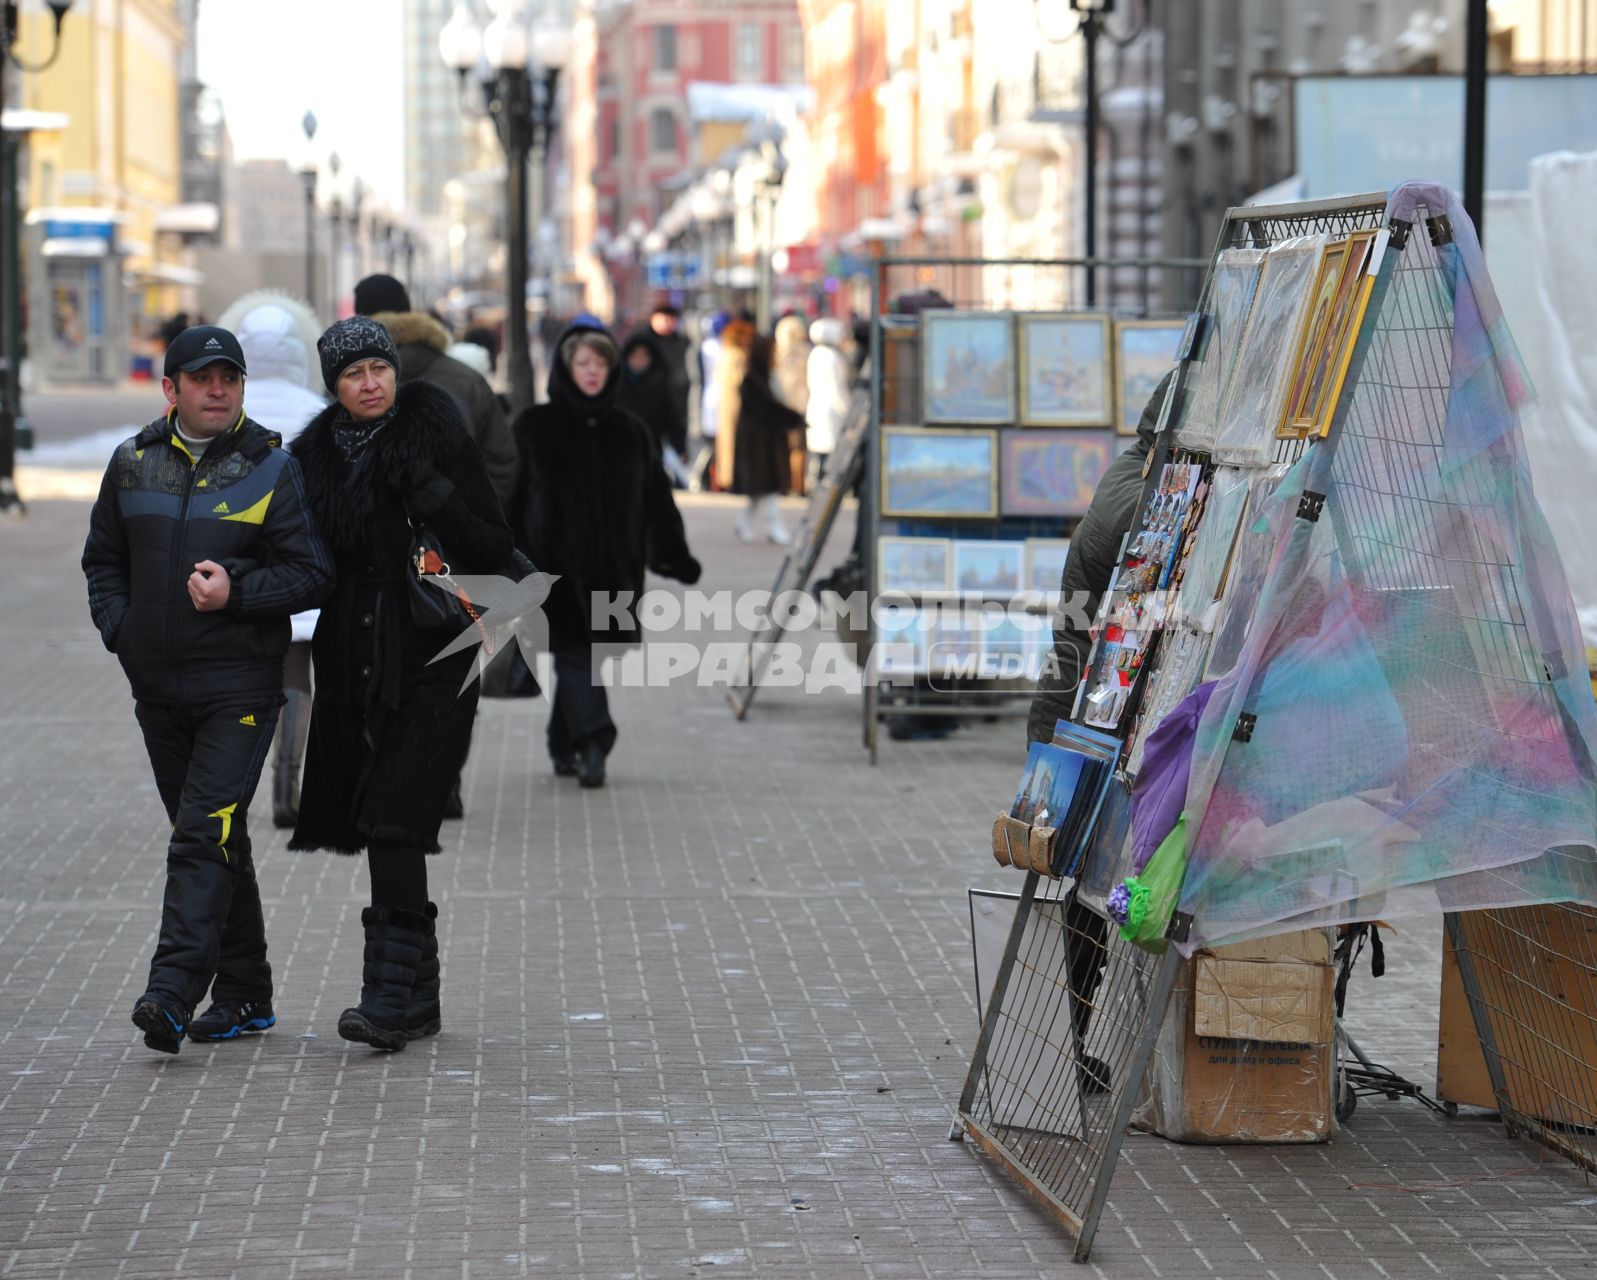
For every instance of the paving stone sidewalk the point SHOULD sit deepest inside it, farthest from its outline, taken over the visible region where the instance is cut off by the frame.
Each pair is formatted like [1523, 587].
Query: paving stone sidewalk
[709, 1021]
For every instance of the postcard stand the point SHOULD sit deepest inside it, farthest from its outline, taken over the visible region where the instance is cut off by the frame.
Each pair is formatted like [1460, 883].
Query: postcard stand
[1100, 1002]
[998, 401]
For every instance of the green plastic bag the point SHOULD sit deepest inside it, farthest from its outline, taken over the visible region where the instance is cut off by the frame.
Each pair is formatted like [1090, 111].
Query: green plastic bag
[1152, 896]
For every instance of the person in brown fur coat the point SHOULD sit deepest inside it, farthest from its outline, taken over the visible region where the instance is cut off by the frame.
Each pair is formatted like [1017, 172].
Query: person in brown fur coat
[736, 340]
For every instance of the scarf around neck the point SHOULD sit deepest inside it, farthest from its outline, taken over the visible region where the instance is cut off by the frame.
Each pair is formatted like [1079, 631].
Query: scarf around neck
[353, 438]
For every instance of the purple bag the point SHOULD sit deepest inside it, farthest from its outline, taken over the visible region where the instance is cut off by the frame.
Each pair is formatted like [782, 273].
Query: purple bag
[1160, 792]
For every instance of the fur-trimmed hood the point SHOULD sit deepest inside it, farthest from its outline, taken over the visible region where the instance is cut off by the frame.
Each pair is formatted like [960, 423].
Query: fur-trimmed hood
[408, 327]
[343, 497]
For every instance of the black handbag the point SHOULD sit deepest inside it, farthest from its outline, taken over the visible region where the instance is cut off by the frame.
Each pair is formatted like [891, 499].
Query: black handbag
[436, 601]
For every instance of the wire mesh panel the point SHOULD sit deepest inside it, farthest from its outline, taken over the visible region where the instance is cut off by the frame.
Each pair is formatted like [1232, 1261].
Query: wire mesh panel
[1531, 977]
[1065, 1032]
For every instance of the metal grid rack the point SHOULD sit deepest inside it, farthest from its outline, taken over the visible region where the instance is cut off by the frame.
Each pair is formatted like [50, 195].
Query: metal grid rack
[1531, 977]
[1054, 1030]
[998, 285]
[1074, 1015]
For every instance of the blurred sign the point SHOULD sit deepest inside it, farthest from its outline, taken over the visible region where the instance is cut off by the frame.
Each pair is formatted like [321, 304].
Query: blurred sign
[1370, 133]
[671, 270]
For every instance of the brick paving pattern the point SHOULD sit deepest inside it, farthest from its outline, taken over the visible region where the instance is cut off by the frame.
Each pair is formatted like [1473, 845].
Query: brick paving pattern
[709, 1021]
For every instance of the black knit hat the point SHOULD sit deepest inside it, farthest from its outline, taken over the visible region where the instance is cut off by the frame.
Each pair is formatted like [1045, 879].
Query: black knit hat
[352, 340]
[380, 293]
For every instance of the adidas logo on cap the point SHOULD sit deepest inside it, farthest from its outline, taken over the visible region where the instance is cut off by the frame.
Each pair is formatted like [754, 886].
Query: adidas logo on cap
[213, 343]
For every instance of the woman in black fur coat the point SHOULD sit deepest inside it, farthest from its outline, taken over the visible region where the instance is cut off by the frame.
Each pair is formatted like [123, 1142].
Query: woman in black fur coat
[593, 505]
[389, 731]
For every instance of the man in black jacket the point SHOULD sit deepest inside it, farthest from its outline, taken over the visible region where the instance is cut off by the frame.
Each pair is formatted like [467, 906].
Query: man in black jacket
[200, 547]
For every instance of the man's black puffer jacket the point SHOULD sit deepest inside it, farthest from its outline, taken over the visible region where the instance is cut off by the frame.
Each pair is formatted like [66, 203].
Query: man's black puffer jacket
[158, 514]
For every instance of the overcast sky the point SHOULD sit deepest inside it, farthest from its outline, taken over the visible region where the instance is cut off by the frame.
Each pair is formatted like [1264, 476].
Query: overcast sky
[271, 60]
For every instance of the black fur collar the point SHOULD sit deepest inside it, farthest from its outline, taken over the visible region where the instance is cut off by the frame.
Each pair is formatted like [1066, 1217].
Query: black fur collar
[344, 497]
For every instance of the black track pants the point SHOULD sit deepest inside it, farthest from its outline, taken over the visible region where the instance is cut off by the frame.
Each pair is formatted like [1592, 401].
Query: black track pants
[207, 762]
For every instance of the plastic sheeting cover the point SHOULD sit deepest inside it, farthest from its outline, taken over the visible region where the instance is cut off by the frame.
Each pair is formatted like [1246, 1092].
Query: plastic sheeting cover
[1423, 727]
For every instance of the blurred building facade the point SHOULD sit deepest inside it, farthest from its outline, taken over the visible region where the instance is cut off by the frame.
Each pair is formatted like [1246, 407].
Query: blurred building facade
[635, 144]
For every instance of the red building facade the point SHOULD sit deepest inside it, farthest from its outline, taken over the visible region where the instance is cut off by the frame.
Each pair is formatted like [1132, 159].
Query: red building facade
[645, 54]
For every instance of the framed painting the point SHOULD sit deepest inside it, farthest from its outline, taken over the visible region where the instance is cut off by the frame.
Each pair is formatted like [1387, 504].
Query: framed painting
[1052, 473]
[1145, 350]
[1319, 365]
[939, 473]
[968, 366]
[993, 570]
[1045, 564]
[913, 566]
[1064, 371]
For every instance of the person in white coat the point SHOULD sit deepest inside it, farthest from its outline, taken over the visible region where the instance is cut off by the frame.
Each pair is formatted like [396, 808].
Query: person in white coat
[830, 378]
[278, 333]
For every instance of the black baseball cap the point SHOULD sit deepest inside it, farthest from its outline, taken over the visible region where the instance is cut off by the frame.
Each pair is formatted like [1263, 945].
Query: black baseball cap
[200, 345]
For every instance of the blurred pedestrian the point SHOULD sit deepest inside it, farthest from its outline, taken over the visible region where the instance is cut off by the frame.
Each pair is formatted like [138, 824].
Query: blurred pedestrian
[277, 333]
[665, 323]
[390, 726]
[829, 377]
[645, 390]
[200, 546]
[423, 344]
[763, 458]
[790, 371]
[709, 396]
[736, 339]
[593, 506]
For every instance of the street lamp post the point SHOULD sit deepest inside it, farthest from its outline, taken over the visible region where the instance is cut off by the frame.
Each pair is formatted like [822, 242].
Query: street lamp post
[768, 188]
[335, 219]
[308, 176]
[521, 103]
[1091, 14]
[11, 257]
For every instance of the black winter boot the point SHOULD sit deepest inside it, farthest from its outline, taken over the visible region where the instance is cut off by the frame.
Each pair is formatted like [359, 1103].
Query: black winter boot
[424, 1016]
[394, 940]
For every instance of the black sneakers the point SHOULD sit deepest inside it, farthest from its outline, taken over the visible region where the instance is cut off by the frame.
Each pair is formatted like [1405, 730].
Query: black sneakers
[229, 1019]
[163, 1030]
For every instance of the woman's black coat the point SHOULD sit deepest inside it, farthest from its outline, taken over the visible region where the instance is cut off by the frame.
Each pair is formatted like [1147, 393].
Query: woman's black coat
[593, 505]
[388, 731]
[760, 463]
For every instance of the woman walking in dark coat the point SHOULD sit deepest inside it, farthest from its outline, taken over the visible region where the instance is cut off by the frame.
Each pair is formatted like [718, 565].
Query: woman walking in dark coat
[389, 731]
[760, 468]
[593, 505]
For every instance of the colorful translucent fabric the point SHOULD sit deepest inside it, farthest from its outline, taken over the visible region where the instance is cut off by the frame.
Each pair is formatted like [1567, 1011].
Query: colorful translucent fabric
[1408, 726]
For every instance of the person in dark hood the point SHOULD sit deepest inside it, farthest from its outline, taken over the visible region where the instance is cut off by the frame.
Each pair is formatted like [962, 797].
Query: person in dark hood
[676, 354]
[592, 505]
[645, 390]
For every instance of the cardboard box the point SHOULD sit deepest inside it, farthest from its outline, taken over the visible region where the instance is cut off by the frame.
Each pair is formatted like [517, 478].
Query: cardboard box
[1245, 1052]
[1549, 990]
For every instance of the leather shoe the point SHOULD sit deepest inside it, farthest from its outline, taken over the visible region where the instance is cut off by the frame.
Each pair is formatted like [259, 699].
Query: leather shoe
[590, 767]
[565, 766]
